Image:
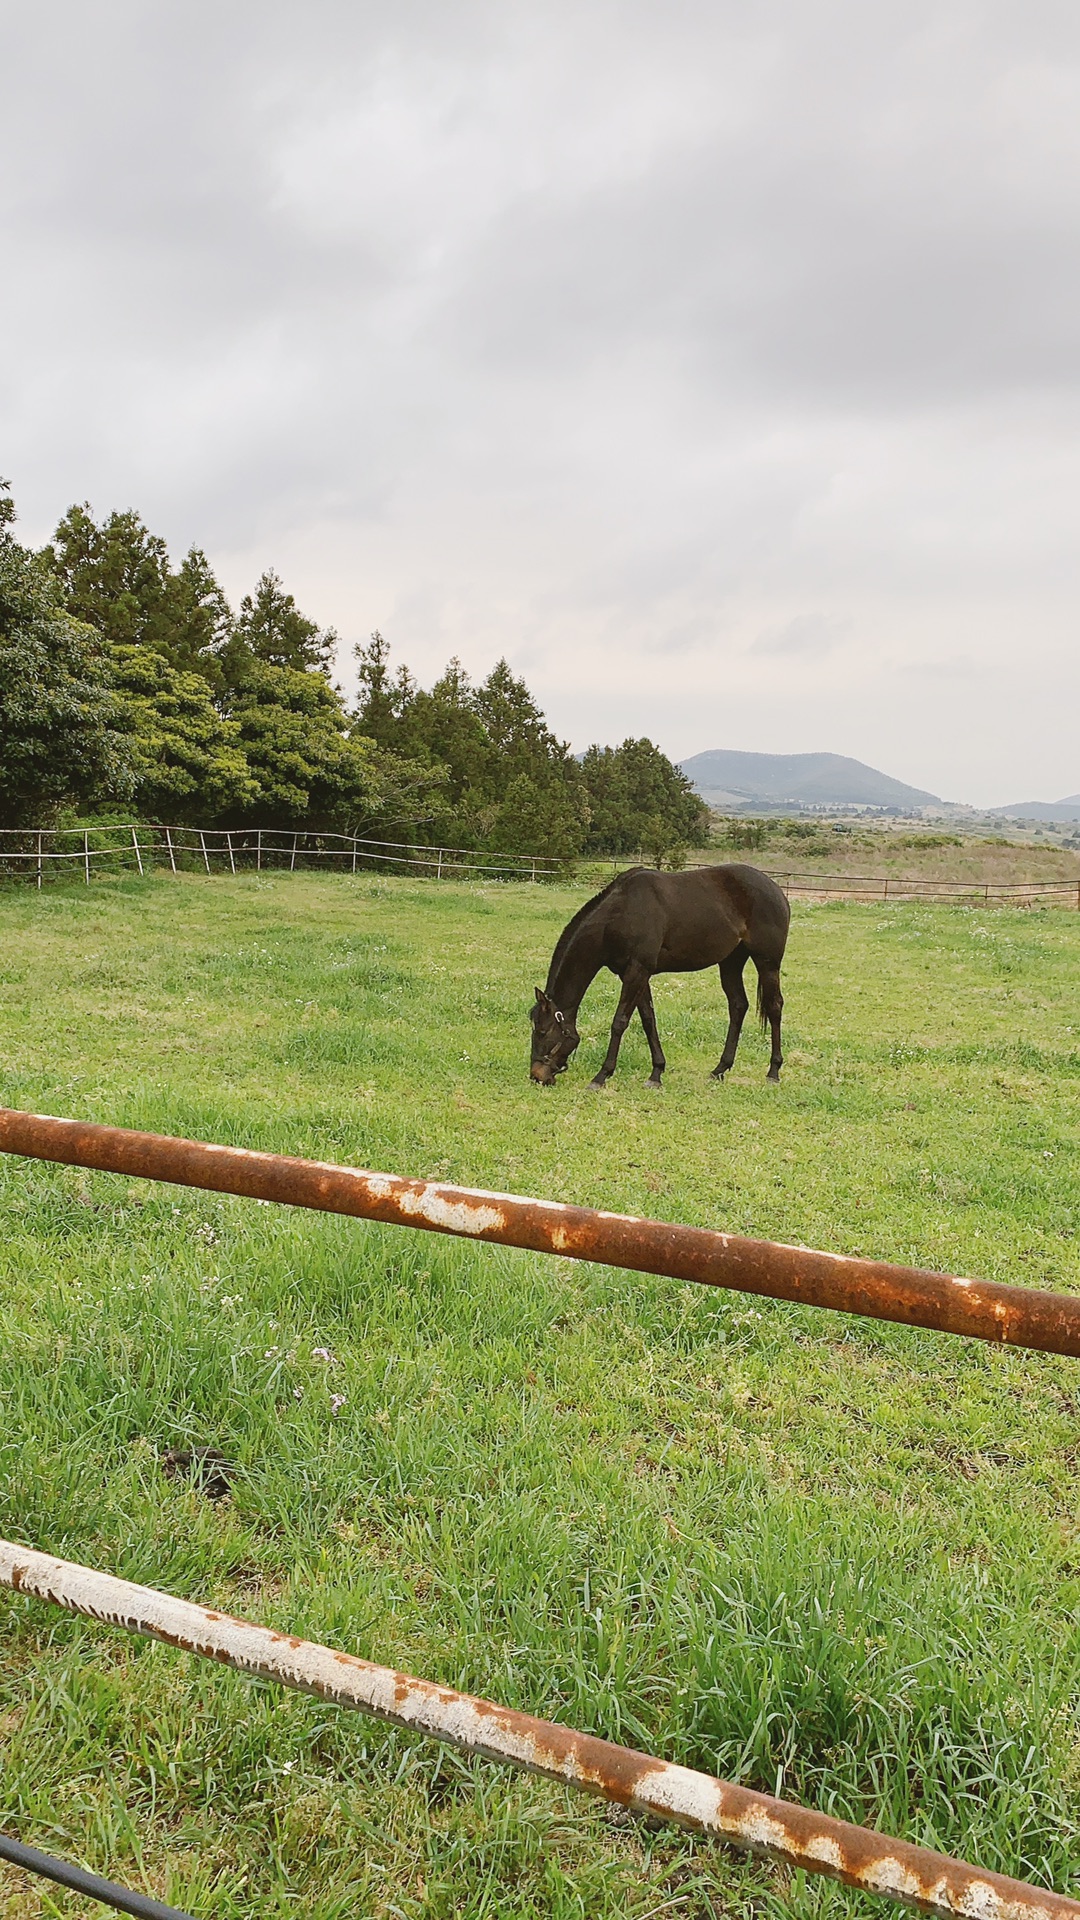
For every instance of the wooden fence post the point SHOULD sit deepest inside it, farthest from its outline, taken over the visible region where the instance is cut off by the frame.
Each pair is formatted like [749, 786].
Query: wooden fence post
[135, 844]
[292, 862]
[86, 855]
[205, 855]
[232, 862]
[39, 860]
[169, 844]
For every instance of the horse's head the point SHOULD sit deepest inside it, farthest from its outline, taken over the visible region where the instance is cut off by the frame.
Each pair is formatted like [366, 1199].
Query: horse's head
[554, 1037]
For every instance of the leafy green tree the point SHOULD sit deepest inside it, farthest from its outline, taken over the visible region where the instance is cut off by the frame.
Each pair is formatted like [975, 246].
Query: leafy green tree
[507, 783]
[520, 739]
[117, 577]
[271, 628]
[539, 816]
[384, 700]
[639, 800]
[532, 779]
[188, 762]
[310, 769]
[291, 726]
[59, 738]
[202, 618]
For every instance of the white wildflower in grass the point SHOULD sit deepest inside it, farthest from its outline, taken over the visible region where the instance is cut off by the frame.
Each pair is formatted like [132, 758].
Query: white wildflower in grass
[323, 1353]
[337, 1401]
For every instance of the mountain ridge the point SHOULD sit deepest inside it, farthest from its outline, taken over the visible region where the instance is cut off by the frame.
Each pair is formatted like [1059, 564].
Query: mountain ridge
[1067, 809]
[722, 774]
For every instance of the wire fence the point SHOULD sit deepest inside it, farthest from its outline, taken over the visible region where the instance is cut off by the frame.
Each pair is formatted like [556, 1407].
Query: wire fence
[856, 886]
[48, 853]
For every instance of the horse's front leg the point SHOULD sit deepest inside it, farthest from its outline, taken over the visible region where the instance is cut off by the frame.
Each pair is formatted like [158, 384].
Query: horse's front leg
[652, 1035]
[635, 983]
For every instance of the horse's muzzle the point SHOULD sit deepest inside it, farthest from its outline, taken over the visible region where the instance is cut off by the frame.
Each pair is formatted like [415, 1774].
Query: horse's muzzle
[542, 1073]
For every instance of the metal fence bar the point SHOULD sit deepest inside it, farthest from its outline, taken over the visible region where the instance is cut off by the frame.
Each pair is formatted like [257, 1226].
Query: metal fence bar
[43, 847]
[91, 1884]
[975, 890]
[979, 1309]
[736, 1815]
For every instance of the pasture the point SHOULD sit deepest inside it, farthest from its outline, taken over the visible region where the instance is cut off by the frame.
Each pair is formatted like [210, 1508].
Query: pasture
[834, 1559]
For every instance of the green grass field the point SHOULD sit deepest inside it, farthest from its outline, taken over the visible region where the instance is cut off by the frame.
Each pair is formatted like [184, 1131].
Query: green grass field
[835, 1559]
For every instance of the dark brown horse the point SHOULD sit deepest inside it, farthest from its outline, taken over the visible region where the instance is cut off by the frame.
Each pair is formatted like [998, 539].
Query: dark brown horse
[647, 922]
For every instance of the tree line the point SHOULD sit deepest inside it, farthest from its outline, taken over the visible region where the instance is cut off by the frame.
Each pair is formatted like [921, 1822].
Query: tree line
[129, 683]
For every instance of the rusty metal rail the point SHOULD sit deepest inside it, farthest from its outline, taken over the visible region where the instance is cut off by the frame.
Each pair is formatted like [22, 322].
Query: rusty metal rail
[755, 1822]
[981, 1309]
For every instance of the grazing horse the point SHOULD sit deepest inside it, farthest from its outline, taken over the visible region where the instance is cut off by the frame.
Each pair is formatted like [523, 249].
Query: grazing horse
[647, 922]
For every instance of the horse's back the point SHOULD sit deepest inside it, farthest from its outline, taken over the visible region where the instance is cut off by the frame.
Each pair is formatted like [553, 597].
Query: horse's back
[695, 918]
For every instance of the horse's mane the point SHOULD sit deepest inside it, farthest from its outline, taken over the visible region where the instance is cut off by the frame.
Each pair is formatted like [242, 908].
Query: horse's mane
[566, 936]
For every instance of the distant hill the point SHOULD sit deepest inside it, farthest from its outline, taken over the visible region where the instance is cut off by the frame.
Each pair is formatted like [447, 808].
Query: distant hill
[1068, 809]
[725, 777]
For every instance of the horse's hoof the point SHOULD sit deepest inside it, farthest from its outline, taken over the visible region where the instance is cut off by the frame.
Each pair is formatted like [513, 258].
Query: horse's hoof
[656, 1085]
[773, 1077]
[598, 1084]
[718, 1074]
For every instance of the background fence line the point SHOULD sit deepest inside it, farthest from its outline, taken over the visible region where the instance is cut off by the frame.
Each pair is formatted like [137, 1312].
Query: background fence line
[32, 853]
[40, 852]
[860, 886]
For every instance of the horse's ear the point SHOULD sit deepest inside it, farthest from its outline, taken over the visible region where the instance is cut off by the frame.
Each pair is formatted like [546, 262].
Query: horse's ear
[541, 997]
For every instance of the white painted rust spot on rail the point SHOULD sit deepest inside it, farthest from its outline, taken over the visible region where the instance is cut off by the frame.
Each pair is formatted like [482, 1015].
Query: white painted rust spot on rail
[453, 1216]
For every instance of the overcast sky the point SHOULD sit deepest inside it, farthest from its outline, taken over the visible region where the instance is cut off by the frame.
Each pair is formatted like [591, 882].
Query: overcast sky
[717, 363]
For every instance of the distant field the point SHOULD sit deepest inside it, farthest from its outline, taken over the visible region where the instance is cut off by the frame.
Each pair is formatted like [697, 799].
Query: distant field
[833, 1559]
[907, 854]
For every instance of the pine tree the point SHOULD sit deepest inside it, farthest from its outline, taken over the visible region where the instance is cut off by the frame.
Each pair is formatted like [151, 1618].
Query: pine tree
[271, 628]
[118, 579]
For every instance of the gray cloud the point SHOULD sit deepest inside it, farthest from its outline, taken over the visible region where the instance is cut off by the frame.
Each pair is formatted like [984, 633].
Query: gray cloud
[629, 341]
[810, 635]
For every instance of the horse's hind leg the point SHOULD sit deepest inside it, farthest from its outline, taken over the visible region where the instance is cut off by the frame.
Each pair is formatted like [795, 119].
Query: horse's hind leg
[731, 979]
[635, 984]
[770, 1006]
[652, 1035]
